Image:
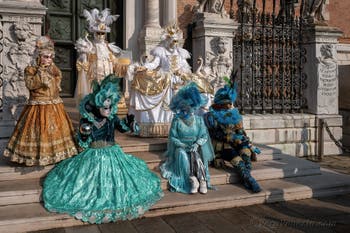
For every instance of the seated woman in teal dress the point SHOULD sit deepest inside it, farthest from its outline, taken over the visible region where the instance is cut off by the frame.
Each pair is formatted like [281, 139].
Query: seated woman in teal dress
[189, 146]
[102, 183]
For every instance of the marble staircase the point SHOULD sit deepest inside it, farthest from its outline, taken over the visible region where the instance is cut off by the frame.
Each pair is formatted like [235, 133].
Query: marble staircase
[282, 177]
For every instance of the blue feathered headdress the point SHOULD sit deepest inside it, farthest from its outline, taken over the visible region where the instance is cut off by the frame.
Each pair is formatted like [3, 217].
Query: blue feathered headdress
[227, 94]
[106, 93]
[188, 97]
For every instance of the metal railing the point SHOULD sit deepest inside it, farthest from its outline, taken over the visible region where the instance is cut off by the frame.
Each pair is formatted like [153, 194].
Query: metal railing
[268, 50]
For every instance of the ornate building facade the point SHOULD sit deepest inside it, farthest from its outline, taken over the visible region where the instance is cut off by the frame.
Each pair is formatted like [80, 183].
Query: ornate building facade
[208, 29]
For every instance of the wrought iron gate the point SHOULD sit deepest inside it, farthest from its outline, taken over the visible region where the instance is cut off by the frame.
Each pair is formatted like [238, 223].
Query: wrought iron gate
[65, 24]
[269, 56]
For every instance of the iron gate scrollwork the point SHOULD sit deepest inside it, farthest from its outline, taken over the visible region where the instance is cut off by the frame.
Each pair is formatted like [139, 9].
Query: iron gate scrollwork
[269, 56]
[1, 71]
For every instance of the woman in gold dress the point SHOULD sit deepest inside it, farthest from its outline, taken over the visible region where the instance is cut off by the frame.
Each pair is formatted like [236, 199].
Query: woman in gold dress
[44, 133]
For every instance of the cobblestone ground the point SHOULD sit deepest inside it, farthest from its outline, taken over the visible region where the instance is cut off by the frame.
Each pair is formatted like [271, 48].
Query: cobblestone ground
[316, 215]
[339, 163]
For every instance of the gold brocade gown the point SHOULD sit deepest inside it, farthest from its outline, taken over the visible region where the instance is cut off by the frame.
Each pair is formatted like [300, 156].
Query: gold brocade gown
[44, 133]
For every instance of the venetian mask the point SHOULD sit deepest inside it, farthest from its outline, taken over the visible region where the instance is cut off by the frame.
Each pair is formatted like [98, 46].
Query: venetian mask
[105, 111]
[100, 36]
[46, 59]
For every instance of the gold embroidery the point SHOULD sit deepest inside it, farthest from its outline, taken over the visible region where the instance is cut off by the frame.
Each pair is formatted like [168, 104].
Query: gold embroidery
[149, 82]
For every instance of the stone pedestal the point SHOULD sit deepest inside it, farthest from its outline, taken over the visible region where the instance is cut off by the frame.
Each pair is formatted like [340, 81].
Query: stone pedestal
[149, 38]
[321, 69]
[322, 90]
[20, 25]
[208, 27]
[212, 41]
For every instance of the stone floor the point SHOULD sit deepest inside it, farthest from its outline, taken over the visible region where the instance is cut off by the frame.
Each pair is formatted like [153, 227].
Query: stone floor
[339, 163]
[327, 214]
[321, 215]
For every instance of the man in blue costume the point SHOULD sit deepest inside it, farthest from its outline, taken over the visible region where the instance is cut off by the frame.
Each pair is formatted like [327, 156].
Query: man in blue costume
[229, 139]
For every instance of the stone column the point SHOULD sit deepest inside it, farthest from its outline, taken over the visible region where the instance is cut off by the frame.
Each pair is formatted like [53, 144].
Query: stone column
[20, 25]
[170, 12]
[133, 15]
[150, 35]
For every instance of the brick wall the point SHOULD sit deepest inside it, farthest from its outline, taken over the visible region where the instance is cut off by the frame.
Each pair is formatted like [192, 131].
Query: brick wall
[340, 17]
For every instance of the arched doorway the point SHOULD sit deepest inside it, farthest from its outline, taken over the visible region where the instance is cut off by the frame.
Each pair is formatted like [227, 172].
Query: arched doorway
[65, 23]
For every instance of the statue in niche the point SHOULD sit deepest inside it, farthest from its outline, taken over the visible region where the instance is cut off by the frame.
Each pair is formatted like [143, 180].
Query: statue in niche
[21, 45]
[314, 10]
[220, 62]
[245, 9]
[287, 9]
[211, 6]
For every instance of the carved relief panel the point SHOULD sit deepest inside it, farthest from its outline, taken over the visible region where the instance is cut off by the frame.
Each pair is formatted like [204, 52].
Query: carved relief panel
[219, 60]
[18, 41]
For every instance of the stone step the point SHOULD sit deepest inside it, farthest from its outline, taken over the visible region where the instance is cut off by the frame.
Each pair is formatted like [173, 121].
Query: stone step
[33, 216]
[13, 171]
[29, 190]
[148, 149]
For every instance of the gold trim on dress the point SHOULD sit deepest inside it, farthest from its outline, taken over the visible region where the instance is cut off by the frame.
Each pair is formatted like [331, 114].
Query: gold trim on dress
[42, 161]
[154, 129]
[150, 82]
[44, 102]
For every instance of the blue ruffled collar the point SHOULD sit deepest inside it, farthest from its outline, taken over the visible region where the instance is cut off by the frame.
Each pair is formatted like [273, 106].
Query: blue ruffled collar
[227, 116]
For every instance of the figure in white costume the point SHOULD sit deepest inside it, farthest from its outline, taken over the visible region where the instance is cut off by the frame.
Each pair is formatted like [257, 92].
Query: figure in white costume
[98, 59]
[154, 83]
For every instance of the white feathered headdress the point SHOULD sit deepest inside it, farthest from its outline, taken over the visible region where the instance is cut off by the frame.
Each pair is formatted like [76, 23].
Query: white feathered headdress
[99, 21]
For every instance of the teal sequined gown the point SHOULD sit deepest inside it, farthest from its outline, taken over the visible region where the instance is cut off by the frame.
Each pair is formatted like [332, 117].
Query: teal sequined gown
[102, 184]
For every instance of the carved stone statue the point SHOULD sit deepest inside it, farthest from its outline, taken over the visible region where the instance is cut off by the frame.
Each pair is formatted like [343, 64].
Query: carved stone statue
[326, 54]
[21, 45]
[314, 10]
[220, 62]
[287, 9]
[211, 6]
[245, 8]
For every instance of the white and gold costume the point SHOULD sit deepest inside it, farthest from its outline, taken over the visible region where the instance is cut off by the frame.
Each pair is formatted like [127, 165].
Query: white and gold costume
[98, 59]
[155, 82]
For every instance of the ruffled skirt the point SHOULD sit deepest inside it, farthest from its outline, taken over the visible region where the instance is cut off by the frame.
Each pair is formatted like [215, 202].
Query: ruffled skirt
[43, 135]
[101, 185]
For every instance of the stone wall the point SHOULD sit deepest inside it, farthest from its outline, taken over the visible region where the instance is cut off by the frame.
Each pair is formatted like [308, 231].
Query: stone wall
[293, 134]
[343, 51]
[20, 25]
[339, 17]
